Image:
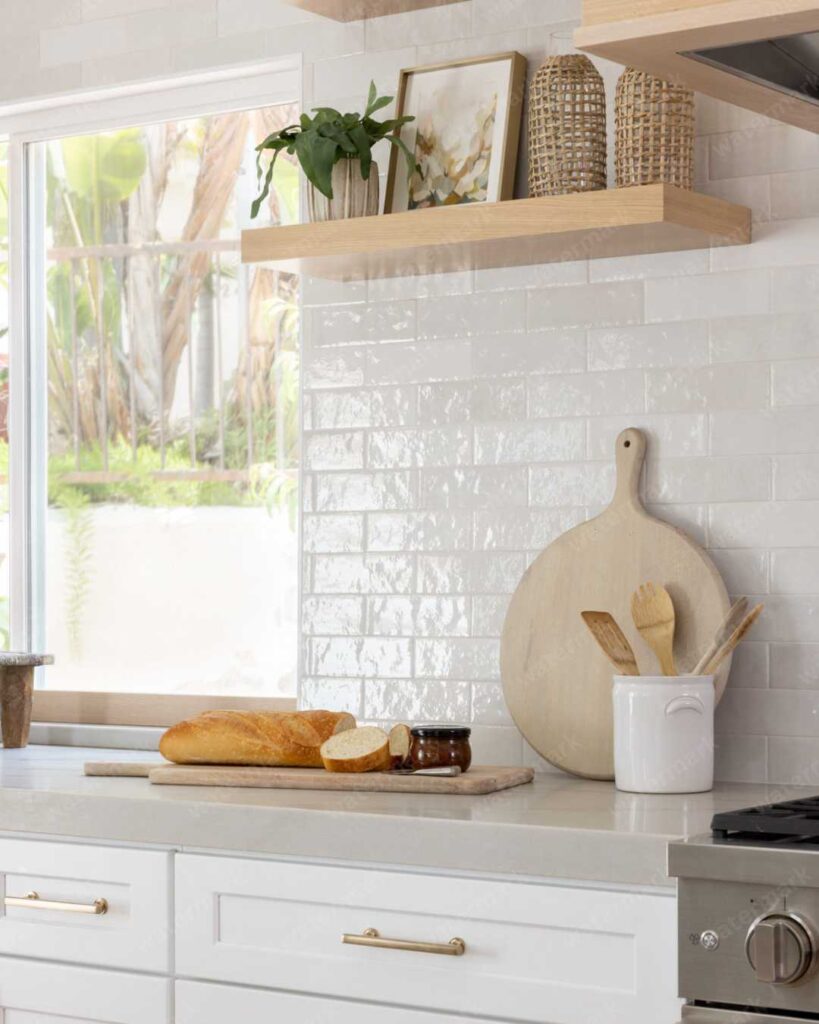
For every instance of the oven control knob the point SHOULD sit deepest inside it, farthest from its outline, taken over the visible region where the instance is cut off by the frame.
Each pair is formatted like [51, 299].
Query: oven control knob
[780, 948]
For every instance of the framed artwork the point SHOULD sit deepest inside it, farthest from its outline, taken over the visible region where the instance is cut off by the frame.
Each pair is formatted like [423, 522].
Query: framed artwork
[465, 134]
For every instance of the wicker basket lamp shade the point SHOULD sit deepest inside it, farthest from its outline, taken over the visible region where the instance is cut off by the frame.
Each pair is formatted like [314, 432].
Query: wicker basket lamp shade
[567, 127]
[654, 131]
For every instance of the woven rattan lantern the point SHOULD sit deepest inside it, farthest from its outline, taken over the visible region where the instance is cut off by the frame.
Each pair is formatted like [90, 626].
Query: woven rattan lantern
[654, 131]
[567, 127]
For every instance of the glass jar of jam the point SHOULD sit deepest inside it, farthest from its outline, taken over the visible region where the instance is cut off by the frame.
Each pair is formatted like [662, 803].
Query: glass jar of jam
[440, 746]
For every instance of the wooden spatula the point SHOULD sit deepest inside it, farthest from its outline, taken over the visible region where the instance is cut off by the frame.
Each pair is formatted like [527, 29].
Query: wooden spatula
[613, 642]
[723, 634]
[653, 612]
[733, 640]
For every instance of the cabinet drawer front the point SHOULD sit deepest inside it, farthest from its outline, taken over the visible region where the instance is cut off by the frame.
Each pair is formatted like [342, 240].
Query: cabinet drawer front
[533, 952]
[35, 993]
[197, 1003]
[69, 880]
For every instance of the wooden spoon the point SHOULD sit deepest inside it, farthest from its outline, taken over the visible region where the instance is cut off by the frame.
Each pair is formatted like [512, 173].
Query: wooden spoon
[653, 612]
[733, 640]
[613, 642]
[723, 634]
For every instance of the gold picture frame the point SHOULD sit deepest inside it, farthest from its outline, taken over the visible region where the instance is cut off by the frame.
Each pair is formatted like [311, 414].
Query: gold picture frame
[506, 129]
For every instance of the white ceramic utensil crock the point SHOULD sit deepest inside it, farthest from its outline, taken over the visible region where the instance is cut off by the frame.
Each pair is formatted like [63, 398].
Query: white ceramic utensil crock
[664, 734]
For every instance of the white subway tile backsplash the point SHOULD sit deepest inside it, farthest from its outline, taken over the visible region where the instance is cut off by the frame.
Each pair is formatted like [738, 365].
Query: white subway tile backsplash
[708, 295]
[781, 431]
[558, 486]
[472, 659]
[363, 574]
[708, 479]
[412, 700]
[745, 570]
[380, 321]
[765, 524]
[649, 346]
[766, 149]
[667, 435]
[474, 487]
[419, 531]
[332, 533]
[796, 383]
[793, 761]
[656, 264]
[795, 288]
[558, 351]
[519, 529]
[587, 394]
[334, 451]
[422, 362]
[795, 194]
[708, 388]
[338, 694]
[369, 657]
[542, 275]
[751, 338]
[379, 407]
[796, 477]
[484, 573]
[443, 446]
[548, 441]
[795, 570]
[363, 492]
[795, 666]
[593, 305]
[461, 316]
[418, 616]
[333, 616]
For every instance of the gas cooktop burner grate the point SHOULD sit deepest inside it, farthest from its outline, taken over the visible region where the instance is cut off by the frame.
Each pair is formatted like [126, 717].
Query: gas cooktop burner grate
[772, 822]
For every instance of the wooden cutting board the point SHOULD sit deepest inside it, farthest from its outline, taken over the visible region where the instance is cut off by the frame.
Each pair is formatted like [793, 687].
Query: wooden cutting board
[476, 782]
[557, 682]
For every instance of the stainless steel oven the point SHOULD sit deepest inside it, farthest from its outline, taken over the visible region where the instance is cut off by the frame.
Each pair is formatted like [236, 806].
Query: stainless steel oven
[749, 917]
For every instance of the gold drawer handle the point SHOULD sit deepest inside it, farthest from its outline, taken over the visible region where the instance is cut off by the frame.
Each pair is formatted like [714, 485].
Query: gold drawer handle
[33, 902]
[455, 947]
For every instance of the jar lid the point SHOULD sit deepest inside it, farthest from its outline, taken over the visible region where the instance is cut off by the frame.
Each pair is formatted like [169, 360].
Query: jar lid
[432, 730]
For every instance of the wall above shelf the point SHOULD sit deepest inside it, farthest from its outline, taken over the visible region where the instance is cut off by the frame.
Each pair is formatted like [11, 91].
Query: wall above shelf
[355, 10]
[659, 36]
[521, 232]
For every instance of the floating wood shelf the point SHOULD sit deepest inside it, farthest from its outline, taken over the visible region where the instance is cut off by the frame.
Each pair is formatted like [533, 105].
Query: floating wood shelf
[617, 222]
[657, 35]
[355, 10]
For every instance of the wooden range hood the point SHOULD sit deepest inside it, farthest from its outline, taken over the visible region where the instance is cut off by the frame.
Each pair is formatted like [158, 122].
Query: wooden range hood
[759, 54]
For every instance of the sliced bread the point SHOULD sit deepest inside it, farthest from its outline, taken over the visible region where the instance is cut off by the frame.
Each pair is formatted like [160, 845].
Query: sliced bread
[359, 750]
[400, 743]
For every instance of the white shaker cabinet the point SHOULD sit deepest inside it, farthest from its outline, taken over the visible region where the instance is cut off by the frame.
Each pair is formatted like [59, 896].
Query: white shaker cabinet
[44, 993]
[200, 938]
[533, 952]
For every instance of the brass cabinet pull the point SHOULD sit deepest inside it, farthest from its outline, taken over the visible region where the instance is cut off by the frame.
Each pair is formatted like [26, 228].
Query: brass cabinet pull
[33, 902]
[455, 947]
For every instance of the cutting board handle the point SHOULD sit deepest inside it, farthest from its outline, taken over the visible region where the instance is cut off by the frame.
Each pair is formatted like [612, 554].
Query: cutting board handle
[630, 453]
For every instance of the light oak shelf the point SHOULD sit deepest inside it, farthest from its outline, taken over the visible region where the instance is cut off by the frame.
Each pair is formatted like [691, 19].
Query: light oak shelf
[355, 10]
[655, 35]
[589, 225]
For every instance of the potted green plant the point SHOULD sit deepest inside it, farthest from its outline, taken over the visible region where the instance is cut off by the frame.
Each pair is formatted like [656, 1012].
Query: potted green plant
[335, 153]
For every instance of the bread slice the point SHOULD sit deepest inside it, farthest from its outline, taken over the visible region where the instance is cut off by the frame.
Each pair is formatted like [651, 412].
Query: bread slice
[359, 750]
[400, 743]
[264, 738]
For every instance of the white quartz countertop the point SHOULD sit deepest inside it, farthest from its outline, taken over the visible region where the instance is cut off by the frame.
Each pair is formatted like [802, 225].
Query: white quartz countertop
[557, 827]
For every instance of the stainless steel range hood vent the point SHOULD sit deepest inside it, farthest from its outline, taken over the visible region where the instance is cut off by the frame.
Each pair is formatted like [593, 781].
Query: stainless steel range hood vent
[789, 64]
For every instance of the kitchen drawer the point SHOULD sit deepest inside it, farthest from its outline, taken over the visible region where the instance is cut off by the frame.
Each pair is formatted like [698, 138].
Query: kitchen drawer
[134, 932]
[36, 993]
[533, 952]
[197, 1003]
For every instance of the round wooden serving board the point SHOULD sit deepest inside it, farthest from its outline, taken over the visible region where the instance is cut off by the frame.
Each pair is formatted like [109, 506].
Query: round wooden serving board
[556, 680]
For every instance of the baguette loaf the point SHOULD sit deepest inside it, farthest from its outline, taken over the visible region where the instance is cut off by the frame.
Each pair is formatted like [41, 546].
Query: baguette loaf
[359, 750]
[263, 738]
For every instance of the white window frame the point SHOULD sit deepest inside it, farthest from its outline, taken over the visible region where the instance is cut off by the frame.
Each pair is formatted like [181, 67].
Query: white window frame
[238, 87]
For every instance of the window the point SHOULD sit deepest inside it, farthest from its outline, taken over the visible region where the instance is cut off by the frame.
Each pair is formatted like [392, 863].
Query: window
[4, 395]
[162, 553]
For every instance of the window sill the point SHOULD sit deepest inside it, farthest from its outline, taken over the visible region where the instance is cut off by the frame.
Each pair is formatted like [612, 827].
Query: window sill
[111, 737]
